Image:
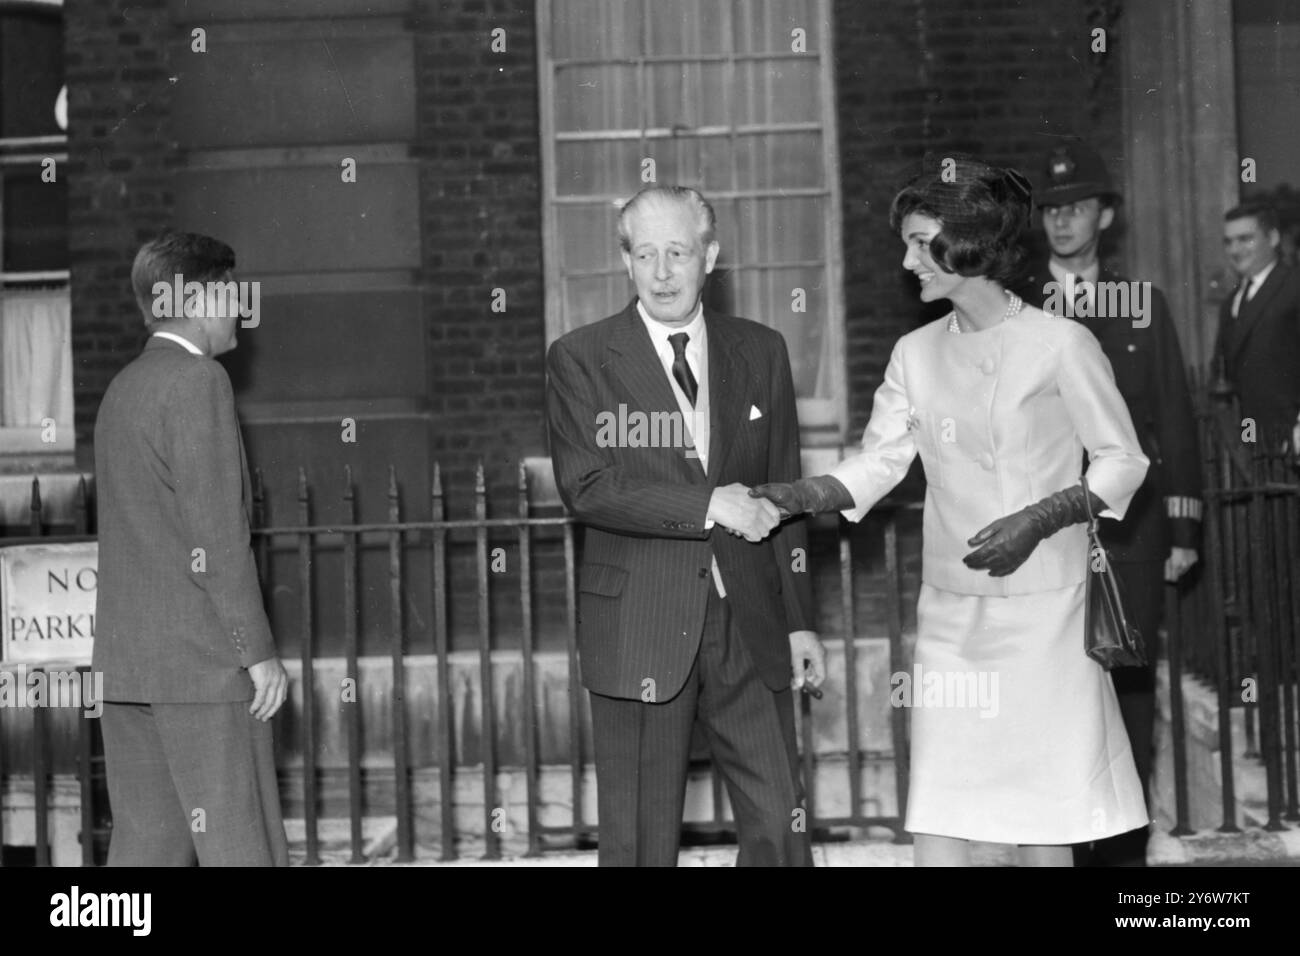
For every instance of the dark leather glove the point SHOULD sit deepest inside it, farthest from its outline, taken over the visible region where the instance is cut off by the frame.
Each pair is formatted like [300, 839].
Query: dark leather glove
[806, 496]
[1008, 542]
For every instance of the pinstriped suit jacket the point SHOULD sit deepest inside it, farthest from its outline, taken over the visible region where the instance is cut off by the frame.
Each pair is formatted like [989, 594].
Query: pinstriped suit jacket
[645, 576]
[171, 477]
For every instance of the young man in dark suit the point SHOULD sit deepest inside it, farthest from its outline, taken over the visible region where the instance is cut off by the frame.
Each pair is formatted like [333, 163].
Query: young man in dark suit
[693, 602]
[1158, 539]
[1258, 343]
[191, 676]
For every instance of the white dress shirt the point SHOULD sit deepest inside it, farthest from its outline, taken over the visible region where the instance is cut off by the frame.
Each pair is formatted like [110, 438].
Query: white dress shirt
[1250, 287]
[696, 420]
[1085, 280]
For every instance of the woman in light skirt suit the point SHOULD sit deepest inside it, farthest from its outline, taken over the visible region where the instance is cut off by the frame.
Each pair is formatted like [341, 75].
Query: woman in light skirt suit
[1000, 400]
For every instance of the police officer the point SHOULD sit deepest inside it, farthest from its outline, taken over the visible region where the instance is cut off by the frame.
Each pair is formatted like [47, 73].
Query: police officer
[1157, 540]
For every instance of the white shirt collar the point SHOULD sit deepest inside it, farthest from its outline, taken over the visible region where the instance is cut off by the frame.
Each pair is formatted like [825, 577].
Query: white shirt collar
[1259, 277]
[184, 342]
[659, 332]
[1059, 272]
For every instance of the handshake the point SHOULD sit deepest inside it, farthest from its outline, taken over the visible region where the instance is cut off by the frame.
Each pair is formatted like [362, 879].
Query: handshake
[752, 513]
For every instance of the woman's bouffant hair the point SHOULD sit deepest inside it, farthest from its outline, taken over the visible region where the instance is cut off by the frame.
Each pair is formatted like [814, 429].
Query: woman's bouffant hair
[982, 211]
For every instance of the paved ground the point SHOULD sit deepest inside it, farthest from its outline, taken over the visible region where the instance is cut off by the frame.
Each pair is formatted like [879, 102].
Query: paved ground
[1250, 848]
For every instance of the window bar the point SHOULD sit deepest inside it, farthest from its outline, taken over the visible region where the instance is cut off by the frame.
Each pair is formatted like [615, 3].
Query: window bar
[1218, 532]
[80, 511]
[849, 616]
[308, 716]
[575, 685]
[446, 735]
[40, 782]
[1174, 618]
[84, 774]
[401, 767]
[1263, 620]
[1292, 523]
[352, 710]
[487, 737]
[531, 769]
[809, 763]
[35, 508]
[1280, 499]
[2, 782]
[894, 612]
[261, 549]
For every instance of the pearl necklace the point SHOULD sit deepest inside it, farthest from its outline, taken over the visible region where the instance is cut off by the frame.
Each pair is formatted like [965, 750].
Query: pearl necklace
[1013, 306]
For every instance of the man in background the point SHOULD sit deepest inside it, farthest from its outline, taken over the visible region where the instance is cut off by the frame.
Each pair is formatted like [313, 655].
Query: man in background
[1258, 343]
[1158, 539]
[191, 676]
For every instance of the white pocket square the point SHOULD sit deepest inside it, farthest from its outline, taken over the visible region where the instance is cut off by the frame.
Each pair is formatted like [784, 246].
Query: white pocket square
[754, 413]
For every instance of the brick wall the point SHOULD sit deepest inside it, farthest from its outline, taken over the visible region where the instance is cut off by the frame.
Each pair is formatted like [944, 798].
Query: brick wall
[121, 157]
[992, 77]
[481, 219]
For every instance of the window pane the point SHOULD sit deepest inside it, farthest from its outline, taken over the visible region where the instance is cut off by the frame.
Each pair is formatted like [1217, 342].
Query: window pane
[596, 98]
[598, 168]
[780, 160]
[778, 91]
[593, 297]
[596, 29]
[686, 95]
[782, 230]
[588, 238]
[31, 73]
[765, 26]
[687, 26]
[35, 221]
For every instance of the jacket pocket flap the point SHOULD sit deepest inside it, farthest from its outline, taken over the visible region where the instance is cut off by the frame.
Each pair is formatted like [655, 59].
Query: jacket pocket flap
[603, 579]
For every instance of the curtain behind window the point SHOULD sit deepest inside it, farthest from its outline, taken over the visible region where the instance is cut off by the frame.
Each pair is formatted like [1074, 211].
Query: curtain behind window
[36, 356]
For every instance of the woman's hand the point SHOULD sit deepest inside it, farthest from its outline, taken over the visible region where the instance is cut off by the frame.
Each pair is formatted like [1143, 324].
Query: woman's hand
[812, 496]
[1007, 544]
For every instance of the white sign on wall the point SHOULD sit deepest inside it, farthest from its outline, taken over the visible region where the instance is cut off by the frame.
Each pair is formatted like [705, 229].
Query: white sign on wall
[48, 595]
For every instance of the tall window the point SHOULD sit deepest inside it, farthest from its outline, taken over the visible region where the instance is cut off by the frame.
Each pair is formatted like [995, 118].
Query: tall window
[734, 98]
[35, 341]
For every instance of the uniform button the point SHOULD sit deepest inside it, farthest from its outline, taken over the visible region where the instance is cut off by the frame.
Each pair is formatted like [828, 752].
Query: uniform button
[986, 461]
[704, 572]
[1132, 347]
[988, 366]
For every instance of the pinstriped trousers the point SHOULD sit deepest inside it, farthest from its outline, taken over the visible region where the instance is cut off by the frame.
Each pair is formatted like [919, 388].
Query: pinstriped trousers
[643, 752]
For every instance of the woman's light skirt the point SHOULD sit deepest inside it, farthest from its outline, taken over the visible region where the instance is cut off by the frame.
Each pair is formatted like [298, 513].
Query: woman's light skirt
[1016, 734]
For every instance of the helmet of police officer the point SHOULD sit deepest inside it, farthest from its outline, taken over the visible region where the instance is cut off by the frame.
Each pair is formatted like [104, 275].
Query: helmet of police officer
[1073, 171]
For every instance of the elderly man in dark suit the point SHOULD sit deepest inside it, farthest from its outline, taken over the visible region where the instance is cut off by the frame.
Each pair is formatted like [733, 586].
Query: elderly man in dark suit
[191, 676]
[1258, 344]
[689, 606]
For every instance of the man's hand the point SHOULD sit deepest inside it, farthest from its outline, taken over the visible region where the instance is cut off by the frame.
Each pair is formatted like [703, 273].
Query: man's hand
[733, 508]
[808, 659]
[1178, 563]
[271, 686]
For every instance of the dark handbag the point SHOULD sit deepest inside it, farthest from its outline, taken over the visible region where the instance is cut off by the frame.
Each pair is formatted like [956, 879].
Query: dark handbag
[1109, 637]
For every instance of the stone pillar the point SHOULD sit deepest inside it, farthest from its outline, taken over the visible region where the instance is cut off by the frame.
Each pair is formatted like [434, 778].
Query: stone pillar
[1180, 121]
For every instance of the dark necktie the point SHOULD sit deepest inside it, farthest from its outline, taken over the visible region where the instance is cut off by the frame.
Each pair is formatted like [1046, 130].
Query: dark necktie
[681, 370]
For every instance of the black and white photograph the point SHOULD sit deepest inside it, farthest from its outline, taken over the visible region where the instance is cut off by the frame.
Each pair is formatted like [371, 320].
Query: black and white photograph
[491, 434]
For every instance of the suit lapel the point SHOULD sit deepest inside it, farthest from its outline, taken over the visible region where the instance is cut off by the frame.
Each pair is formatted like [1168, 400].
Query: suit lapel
[1252, 311]
[642, 374]
[728, 376]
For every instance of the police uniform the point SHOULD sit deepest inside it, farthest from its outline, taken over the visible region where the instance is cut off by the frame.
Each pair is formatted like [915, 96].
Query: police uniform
[1147, 360]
